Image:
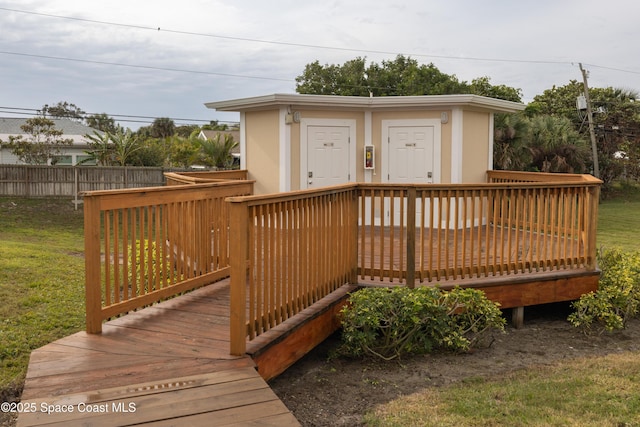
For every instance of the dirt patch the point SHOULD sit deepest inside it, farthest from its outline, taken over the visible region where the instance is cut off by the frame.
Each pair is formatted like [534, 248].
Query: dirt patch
[322, 391]
[9, 394]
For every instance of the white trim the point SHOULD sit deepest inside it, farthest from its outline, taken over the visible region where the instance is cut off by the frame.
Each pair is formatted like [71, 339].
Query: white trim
[368, 140]
[304, 166]
[491, 136]
[365, 102]
[457, 138]
[243, 141]
[284, 149]
[437, 144]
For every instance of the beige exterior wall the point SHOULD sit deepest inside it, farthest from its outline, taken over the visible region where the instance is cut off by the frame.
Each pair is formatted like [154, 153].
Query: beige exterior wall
[263, 150]
[475, 151]
[263, 141]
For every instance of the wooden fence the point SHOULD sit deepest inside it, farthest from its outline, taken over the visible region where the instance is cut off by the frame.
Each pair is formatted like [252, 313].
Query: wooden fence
[293, 249]
[144, 245]
[70, 181]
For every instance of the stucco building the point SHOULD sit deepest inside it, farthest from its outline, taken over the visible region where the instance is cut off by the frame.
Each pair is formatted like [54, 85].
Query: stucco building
[293, 141]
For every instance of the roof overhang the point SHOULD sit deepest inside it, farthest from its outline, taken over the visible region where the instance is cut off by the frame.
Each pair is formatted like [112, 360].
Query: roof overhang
[366, 103]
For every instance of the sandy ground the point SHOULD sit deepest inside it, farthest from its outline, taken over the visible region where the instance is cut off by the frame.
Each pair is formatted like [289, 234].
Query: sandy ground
[324, 391]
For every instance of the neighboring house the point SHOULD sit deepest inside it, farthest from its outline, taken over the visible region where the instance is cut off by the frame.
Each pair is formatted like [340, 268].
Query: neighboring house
[293, 141]
[235, 134]
[72, 154]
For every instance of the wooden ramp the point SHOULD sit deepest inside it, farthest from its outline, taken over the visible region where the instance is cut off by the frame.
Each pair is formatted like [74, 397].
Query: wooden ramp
[168, 364]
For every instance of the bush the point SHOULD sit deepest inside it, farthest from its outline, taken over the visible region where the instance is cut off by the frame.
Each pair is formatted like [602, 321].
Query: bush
[391, 322]
[151, 266]
[618, 297]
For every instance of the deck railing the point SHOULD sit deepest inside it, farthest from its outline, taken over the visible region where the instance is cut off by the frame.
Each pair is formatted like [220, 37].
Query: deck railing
[452, 232]
[290, 250]
[179, 178]
[148, 244]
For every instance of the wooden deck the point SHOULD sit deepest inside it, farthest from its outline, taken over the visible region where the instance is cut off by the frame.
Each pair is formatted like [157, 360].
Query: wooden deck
[168, 364]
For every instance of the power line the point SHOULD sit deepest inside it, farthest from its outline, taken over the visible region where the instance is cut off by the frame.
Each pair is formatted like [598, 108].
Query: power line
[121, 117]
[302, 45]
[190, 33]
[146, 67]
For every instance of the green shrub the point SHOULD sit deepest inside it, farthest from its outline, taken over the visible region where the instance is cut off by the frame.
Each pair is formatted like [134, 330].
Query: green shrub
[152, 268]
[618, 297]
[391, 322]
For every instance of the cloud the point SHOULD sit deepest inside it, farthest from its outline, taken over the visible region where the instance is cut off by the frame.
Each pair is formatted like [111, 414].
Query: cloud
[528, 45]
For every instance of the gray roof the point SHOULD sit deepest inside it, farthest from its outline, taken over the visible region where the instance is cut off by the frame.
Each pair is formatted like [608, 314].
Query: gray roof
[11, 126]
[211, 134]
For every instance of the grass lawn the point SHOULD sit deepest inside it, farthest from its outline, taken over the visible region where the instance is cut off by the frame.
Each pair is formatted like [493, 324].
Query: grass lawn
[619, 219]
[41, 280]
[594, 392]
[42, 299]
[591, 392]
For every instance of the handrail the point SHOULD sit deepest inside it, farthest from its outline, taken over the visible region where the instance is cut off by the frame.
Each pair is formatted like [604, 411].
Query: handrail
[291, 249]
[143, 245]
[177, 178]
[519, 176]
[458, 231]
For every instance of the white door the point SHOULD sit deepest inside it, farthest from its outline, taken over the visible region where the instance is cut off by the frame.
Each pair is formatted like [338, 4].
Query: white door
[411, 154]
[411, 160]
[327, 155]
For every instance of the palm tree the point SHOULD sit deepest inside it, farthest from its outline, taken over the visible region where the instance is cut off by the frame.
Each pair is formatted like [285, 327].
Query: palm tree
[101, 151]
[125, 143]
[556, 146]
[218, 153]
[510, 150]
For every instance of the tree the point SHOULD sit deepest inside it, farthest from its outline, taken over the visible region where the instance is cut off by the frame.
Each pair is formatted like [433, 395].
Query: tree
[163, 127]
[185, 131]
[43, 143]
[401, 76]
[102, 122]
[217, 151]
[556, 146]
[215, 125]
[64, 110]
[616, 121]
[151, 153]
[101, 149]
[482, 86]
[510, 149]
[184, 152]
[125, 143]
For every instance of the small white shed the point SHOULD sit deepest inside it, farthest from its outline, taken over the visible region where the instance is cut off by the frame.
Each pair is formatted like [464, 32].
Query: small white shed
[292, 141]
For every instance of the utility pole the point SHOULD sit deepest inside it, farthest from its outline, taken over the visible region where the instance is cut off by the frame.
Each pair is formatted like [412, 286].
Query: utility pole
[594, 146]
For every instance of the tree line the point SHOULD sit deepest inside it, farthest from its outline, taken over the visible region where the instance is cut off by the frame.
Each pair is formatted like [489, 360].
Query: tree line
[161, 144]
[550, 135]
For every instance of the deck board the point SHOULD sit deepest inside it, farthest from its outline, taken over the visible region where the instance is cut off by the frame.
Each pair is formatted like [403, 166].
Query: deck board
[170, 360]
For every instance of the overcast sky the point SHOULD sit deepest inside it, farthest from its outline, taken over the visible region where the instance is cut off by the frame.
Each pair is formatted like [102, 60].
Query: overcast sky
[167, 58]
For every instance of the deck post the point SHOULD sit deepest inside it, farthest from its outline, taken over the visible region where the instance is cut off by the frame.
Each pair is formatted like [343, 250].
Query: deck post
[517, 317]
[592, 215]
[92, 280]
[238, 245]
[411, 237]
[353, 223]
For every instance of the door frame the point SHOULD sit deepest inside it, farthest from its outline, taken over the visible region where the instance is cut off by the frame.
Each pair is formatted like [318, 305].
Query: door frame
[437, 144]
[304, 145]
